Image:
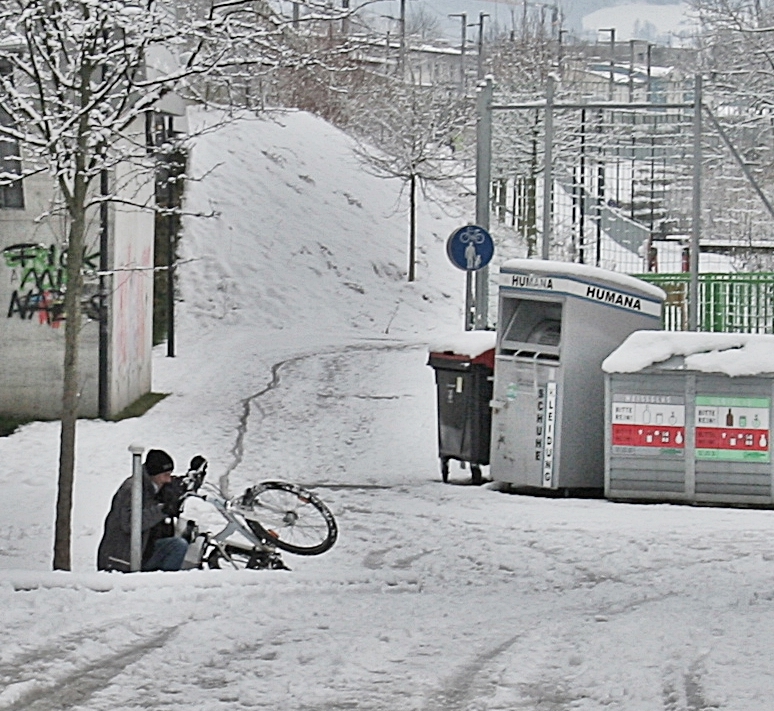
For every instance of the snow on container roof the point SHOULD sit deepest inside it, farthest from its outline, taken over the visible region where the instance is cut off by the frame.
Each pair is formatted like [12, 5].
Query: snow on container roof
[464, 343]
[583, 272]
[732, 354]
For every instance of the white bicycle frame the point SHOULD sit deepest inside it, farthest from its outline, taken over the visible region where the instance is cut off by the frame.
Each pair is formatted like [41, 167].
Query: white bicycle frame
[235, 523]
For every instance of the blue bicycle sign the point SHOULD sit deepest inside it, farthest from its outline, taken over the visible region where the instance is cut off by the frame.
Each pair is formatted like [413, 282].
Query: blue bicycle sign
[470, 248]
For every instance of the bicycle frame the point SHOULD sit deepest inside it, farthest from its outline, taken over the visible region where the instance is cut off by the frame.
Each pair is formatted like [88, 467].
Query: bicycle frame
[234, 524]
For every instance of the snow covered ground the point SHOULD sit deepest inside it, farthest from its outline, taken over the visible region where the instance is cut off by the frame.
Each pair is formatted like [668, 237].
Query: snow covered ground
[302, 356]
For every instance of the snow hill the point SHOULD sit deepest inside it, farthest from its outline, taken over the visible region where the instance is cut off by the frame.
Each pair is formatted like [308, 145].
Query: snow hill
[300, 252]
[302, 234]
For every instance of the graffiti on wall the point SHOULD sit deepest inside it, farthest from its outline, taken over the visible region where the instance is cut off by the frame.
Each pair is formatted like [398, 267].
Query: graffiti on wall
[39, 279]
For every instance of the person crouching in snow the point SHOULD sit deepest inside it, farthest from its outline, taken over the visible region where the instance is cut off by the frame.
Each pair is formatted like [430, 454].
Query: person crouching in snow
[161, 548]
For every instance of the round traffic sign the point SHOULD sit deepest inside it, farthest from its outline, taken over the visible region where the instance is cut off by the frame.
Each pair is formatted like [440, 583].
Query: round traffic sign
[470, 248]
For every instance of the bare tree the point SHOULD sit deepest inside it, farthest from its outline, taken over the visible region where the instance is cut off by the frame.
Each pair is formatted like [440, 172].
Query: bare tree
[423, 24]
[736, 42]
[521, 64]
[415, 134]
[79, 80]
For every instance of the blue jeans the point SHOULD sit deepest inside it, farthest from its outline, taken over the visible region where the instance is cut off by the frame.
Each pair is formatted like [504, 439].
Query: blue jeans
[168, 554]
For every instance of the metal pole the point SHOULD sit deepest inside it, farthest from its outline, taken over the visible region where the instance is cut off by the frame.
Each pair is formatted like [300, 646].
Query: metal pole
[560, 51]
[483, 181]
[611, 77]
[649, 97]
[470, 313]
[402, 55]
[693, 295]
[464, 18]
[480, 72]
[548, 176]
[612, 63]
[582, 216]
[135, 560]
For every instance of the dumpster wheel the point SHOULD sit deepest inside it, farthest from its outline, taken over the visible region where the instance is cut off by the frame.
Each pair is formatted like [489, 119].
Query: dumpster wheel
[475, 474]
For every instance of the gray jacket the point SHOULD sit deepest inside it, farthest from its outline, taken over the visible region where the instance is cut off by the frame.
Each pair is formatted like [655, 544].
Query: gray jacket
[114, 550]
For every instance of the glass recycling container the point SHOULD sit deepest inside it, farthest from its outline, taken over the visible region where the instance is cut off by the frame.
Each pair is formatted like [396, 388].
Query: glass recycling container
[463, 366]
[688, 418]
[557, 322]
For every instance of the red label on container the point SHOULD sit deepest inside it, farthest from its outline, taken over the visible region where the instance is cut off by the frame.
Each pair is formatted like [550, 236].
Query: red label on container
[732, 438]
[648, 436]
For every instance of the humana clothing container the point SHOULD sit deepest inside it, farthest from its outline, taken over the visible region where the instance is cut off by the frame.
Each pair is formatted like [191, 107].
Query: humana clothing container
[557, 322]
[688, 418]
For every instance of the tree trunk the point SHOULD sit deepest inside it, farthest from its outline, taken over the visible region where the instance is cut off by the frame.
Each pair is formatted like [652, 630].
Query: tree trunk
[70, 397]
[76, 209]
[412, 275]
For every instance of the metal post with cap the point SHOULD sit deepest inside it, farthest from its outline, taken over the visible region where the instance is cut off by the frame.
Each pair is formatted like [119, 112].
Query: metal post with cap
[483, 181]
[135, 536]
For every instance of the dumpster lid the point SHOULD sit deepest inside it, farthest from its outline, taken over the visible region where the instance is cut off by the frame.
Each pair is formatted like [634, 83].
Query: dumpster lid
[465, 343]
[732, 354]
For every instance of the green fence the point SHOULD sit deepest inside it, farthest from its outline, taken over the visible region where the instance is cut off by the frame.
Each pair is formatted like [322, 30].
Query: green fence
[734, 303]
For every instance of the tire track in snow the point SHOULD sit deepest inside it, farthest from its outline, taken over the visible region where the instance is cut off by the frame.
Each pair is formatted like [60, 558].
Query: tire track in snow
[465, 686]
[77, 687]
[237, 451]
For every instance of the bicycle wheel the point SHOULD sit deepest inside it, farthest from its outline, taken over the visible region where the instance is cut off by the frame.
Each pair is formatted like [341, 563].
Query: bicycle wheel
[290, 518]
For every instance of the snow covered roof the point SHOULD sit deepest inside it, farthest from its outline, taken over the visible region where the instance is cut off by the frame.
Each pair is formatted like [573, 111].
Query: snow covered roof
[465, 343]
[583, 272]
[732, 354]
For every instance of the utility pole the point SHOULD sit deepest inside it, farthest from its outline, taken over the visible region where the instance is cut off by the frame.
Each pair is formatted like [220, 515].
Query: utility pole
[464, 17]
[560, 49]
[402, 55]
[345, 20]
[480, 72]
[650, 65]
[611, 77]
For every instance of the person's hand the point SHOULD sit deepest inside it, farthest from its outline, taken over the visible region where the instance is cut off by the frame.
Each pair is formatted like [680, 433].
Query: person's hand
[170, 496]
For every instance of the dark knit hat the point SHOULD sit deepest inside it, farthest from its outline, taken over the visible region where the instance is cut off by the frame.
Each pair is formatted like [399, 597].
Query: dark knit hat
[157, 461]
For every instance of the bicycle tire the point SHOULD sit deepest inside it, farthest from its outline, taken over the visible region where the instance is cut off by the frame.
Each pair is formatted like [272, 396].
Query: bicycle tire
[291, 518]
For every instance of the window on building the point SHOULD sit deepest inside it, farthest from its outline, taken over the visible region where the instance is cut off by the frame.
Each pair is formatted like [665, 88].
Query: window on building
[11, 193]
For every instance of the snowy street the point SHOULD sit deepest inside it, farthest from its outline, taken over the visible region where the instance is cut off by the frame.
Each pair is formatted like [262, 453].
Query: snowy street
[435, 597]
[310, 366]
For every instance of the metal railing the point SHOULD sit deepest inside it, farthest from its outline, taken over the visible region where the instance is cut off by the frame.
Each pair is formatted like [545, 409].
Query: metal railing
[731, 303]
